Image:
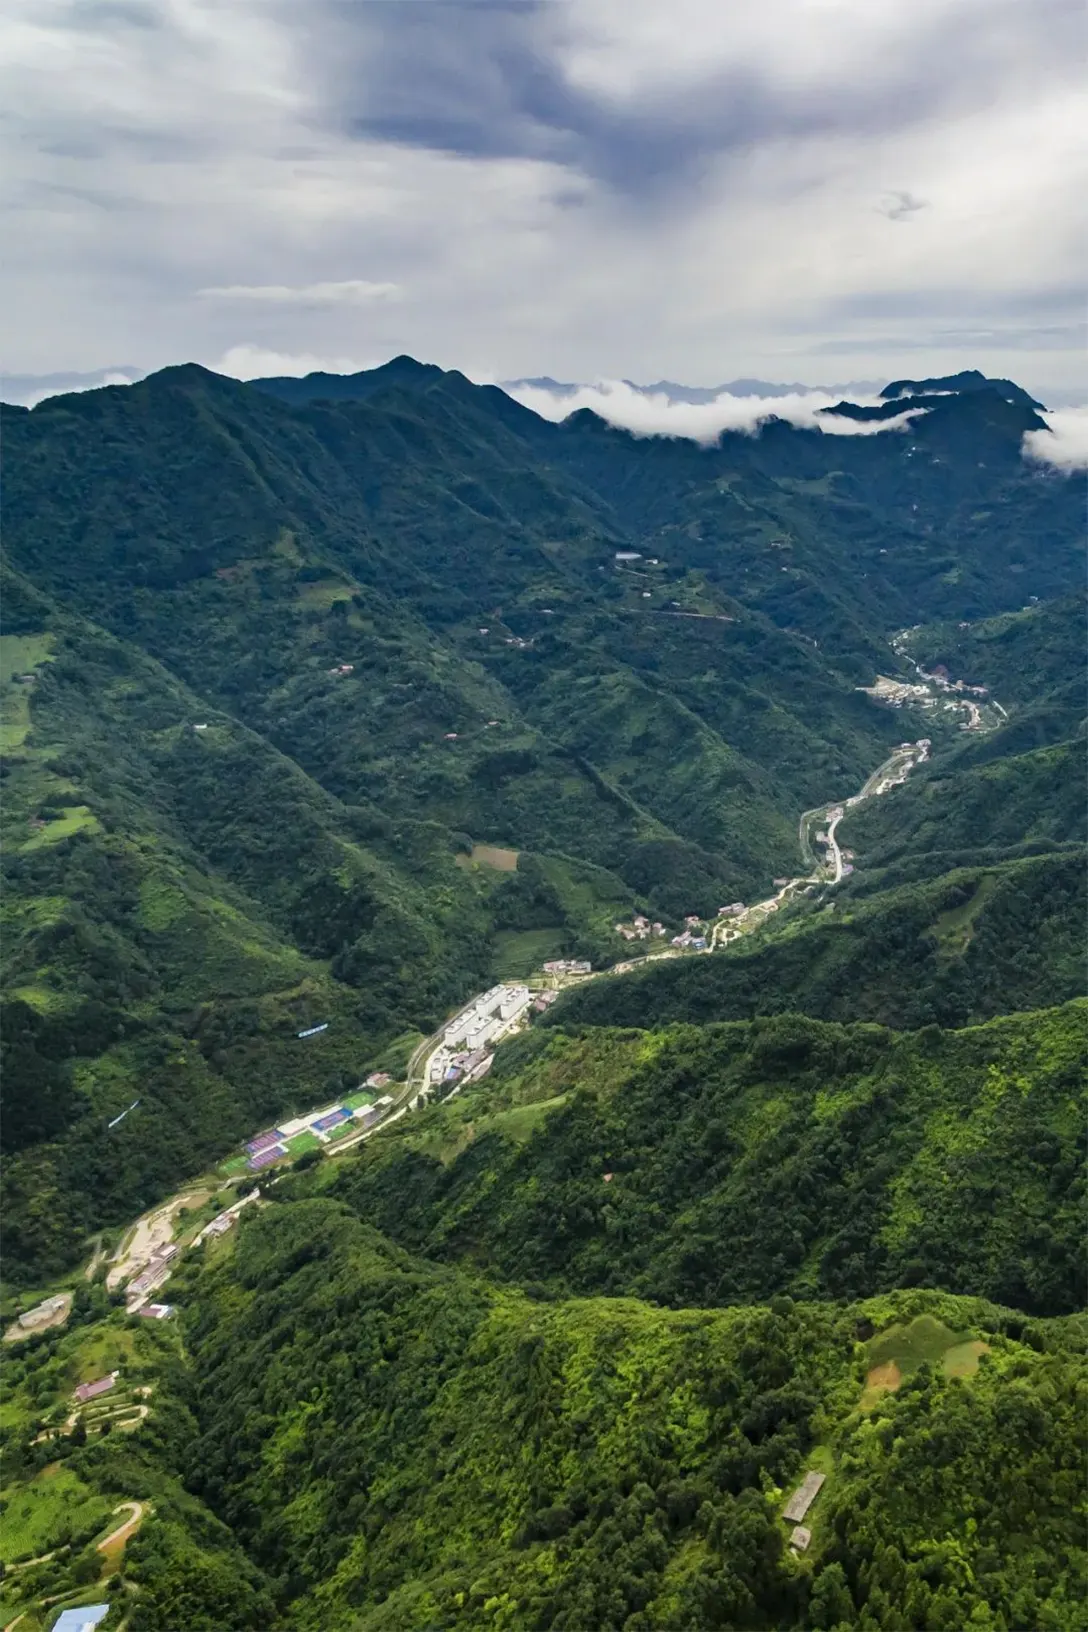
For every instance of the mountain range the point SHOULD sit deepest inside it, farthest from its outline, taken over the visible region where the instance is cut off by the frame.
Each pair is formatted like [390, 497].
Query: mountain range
[325, 703]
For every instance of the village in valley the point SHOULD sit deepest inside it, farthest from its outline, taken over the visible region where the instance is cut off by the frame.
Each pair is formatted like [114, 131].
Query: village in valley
[462, 1051]
[459, 1053]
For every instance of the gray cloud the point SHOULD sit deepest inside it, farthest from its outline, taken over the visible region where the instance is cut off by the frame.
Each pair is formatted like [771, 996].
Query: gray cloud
[595, 188]
[900, 206]
[492, 80]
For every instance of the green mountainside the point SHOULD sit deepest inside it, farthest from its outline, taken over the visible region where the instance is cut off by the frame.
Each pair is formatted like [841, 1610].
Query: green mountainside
[972, 943]
[787, 1155]
[329, 702]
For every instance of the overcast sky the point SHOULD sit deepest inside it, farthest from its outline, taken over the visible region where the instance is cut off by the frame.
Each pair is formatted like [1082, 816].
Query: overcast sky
[807, 190]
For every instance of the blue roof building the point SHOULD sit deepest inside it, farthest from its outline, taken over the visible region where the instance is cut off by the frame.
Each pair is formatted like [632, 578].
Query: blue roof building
[83, 1619]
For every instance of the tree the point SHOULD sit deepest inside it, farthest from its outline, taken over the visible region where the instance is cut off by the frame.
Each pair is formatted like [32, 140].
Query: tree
[831, 1605]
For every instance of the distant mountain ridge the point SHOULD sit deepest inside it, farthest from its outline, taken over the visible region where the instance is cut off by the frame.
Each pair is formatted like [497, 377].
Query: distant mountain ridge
[675, 392]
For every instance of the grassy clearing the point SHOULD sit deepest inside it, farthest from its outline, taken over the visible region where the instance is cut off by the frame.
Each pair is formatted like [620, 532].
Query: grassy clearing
[76, 819]
[926, 1341]
[105, 1349]
[954, 929]
[353, 1102]
[522, 1121]
[14, 718]
[19, 654]
[962, 1359]
[49, 1512]
[518, 952]
[490, 855]
[324, 595]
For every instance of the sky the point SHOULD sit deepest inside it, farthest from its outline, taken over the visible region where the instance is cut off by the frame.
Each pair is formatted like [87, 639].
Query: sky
[688, 190]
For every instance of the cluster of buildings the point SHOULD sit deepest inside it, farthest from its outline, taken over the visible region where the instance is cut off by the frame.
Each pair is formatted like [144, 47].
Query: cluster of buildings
[326, 1125]
[490, 1015]
[690, 939]
[154, 1272]
[735, 909]
[640, 929]
[466, 1066]
[897, 692]
[568, 966]
[543, 1000]
[464, 1051]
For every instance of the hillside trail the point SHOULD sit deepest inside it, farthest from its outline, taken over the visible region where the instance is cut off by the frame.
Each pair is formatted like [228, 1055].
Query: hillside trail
[117, 1538]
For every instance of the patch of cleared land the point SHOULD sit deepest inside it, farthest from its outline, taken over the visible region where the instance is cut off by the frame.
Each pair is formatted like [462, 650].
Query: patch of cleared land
[900, 1350]
[492, 855]
[15, 1332]
[520, 952]
[19, 654]
[75, 819]
[152, 1231]
[48, 1512]
[884, 1379]
[955, 928]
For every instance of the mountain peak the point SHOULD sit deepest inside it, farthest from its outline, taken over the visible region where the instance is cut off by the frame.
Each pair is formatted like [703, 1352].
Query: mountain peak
[967, 381]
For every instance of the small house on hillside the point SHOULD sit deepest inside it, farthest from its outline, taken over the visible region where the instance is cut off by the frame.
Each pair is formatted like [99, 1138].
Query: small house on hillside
[91, 1391]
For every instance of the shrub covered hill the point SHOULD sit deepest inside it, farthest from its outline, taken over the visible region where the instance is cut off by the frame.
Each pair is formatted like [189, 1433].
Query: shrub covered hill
[332, 700]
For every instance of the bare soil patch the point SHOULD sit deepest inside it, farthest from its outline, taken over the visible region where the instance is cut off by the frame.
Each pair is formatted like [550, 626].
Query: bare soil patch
[884, 1379]
[494, 855]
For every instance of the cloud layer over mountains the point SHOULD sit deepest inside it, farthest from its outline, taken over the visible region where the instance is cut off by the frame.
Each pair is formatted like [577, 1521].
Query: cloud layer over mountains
[656, 414]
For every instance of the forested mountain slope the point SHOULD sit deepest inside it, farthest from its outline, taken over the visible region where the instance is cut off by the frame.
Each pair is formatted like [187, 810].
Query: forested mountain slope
[601, 1463]
[274, 662]
[724, 1164]
[348, 1439]
[964, 946]
[327, 702]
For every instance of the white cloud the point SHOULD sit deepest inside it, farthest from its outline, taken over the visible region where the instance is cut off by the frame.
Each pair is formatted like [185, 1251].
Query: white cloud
[247, 362]
[348, 292]
[1065, 444]
[647, 414]
[31, 399]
